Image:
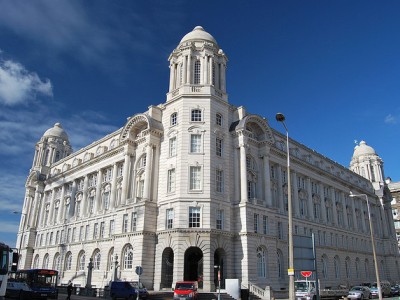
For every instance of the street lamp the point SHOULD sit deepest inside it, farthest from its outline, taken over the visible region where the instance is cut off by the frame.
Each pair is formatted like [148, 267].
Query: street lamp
[281, 118]
[371, 229]
[217, 267]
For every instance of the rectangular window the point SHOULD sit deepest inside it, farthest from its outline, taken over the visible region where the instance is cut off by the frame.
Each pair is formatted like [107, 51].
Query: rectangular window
[102, 227]
[125, 223]
[197, 72]
[69, 235]
[73, 234]
[172, 146]
[195, 178]
[218, 119]
[218, 146]
[196, 115]
[91, 204]
[95, 230]
[195, 143]
[265, 224]
[81, 233]
[171, 181]
[86, 232]
[140, 191]
[107, 175]
[220, 219]
[134, 221]
[120, 169]
[279, 230]
[219, 180]
[256, 217]
[106, 200]
[112, 228]
[169, 218]
[78, 208]
[194, 217]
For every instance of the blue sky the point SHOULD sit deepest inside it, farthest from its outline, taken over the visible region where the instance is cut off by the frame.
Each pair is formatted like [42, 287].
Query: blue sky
[332, 67]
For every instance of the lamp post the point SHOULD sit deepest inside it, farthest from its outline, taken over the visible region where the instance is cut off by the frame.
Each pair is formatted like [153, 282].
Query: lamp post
[371, 229]
[281, 118]
[22, 233]
[219, 280]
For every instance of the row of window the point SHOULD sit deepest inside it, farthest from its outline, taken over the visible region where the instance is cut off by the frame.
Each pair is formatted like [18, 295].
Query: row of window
[129, 224]
[196, 115]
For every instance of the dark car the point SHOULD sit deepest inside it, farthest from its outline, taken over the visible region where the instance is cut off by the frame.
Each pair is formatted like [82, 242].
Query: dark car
[395, 290]
[123, 289]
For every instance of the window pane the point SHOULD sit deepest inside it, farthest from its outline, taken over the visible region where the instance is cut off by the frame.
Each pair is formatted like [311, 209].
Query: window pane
[195, 180]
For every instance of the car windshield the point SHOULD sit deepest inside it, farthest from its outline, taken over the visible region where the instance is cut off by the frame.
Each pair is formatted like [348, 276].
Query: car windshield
[184, 286]
[357, 288]
[301, 286]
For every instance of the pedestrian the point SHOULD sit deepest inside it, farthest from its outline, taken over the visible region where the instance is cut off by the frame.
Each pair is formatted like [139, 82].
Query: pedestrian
[69, 290]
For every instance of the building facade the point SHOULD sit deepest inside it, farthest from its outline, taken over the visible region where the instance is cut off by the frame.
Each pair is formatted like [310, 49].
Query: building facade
[195, 183]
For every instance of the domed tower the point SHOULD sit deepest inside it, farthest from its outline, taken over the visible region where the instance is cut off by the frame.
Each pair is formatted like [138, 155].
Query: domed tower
[53, 146]
[368, 164]
[197, 66]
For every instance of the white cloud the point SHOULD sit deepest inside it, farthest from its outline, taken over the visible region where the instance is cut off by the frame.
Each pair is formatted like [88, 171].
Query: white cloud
[18, 85]
[390, 119]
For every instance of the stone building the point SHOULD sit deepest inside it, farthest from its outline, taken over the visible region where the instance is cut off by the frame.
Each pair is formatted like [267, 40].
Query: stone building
[195, 183]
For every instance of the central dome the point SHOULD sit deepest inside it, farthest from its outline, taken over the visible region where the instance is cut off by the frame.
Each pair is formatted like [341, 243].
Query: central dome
[363, 149]
[56, 131]
[198, 33]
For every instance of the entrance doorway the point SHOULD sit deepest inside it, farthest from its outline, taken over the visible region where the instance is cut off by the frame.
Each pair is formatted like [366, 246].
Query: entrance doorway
[219, 265]
[193, 269]
[167, 268]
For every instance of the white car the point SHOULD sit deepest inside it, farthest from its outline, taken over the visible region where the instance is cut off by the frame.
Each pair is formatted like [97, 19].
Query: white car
[359, 292]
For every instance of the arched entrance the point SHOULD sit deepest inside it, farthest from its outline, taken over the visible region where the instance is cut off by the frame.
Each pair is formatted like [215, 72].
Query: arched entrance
[219, 265]
[194, 265]
[167, 268]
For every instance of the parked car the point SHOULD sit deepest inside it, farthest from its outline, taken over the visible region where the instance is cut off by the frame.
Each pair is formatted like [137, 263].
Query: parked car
[395, 289]
[122, 289]
[385, 287]
[186, 290]
[359, 292]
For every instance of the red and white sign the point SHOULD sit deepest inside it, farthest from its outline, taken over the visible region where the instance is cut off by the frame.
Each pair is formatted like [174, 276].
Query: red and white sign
[306, 273]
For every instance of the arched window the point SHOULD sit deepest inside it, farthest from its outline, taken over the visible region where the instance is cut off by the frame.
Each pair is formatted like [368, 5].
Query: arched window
[46, 261]
[82, 259]
[110, 260]
[36, 262]
[128, 257]
[280, 264]
[57, 262]
[336, 264]
[357, 268]
[347, 266]
[261, 262]
[324, 263]
[366, 268]
[68, 261]
[96, 260]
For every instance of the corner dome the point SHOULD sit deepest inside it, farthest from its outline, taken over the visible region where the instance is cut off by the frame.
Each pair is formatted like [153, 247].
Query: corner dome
[198, 33]
[363, 149]
[56, 131]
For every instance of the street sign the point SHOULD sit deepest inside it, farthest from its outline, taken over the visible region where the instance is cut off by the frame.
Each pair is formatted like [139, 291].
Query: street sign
[306, 273]
[139, 270]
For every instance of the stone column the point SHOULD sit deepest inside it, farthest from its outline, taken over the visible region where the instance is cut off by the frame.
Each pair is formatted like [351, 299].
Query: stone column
[126, 179]
[113, 186]
[223, 83]
[295, 202]
[334, 208]
[310, 204]
[184, 69]
[236, 173]
[51, 210]
[98, 204]
[34, 220]
[171, 76]
[267, 181]
[85, 206]
[323, 204]
[280, 189]
[243, 174]
[147, 178]
[189, 69]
